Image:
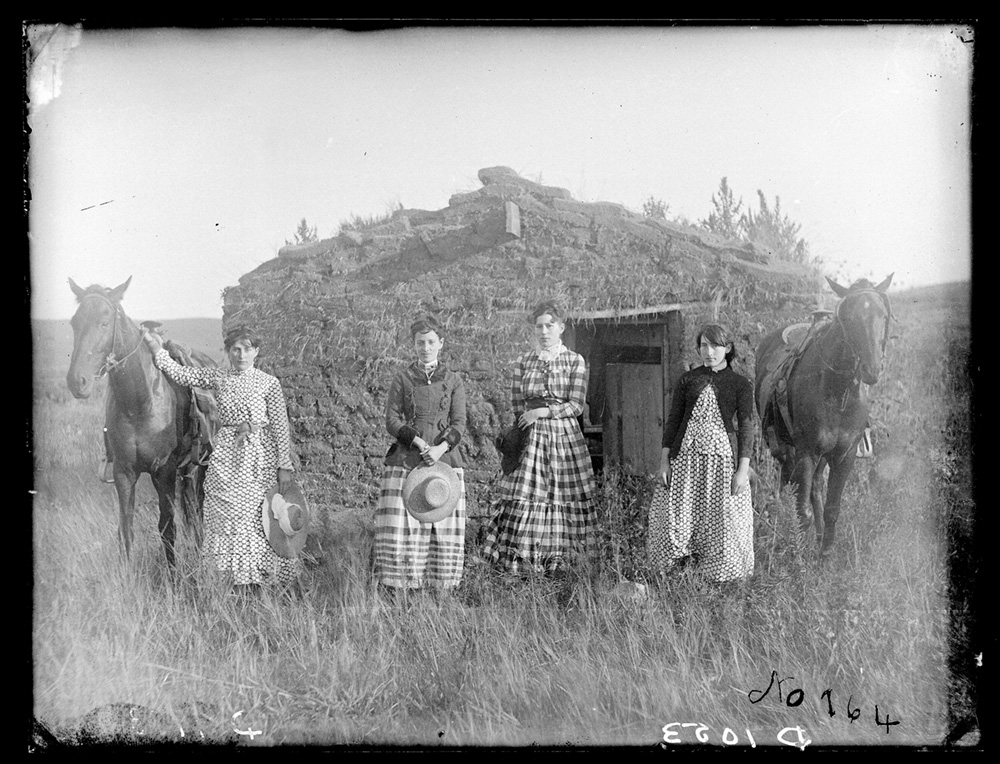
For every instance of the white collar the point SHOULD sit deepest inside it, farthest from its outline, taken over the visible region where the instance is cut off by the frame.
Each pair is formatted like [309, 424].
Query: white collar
[551, 353]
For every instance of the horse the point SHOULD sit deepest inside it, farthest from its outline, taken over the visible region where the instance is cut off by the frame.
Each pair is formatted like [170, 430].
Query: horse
[811, 390]
[149, 424]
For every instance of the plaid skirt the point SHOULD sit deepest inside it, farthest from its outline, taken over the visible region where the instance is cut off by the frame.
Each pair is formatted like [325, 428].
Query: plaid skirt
[410, 554]
[544, 514]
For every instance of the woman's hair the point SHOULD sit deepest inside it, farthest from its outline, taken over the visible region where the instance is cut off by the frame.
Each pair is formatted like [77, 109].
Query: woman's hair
[718, 335]
[240, 333]
[426, 324]
[547, 306]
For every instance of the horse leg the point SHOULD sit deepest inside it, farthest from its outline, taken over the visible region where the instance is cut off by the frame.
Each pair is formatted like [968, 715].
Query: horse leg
[805, 468]
[840, 470]
[817, 496]
[125, 488]
[165, 482]
[788, 466]
[192, 496]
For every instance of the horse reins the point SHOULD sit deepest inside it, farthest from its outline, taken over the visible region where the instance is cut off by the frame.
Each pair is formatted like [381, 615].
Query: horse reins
[111, 362]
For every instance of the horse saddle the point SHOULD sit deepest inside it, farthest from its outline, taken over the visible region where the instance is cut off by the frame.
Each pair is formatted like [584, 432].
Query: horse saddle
[203, 416]
[778, 370]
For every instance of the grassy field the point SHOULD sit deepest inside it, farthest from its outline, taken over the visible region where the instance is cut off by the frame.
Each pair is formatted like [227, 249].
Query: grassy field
[868, 647]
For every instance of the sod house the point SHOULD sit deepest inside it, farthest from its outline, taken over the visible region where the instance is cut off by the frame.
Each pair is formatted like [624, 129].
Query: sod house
[335, 314]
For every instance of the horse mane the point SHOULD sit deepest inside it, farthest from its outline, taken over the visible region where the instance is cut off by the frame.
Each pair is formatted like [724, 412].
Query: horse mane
[860, 284]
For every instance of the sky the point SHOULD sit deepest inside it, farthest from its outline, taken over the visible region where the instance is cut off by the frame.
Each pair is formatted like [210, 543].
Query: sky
[186, 158]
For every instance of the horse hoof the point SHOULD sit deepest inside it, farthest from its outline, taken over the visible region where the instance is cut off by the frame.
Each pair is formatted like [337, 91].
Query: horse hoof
[106, 472]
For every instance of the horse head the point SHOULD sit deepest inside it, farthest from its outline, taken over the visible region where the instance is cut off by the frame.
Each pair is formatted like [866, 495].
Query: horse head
[97, 324]
[863, 315]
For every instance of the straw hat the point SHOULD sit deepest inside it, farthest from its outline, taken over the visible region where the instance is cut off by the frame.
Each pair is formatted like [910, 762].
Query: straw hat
[286, 520]
[431, 493]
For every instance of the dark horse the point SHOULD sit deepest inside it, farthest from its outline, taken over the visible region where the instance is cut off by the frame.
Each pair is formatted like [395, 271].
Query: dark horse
[812, 398]
[148, 424]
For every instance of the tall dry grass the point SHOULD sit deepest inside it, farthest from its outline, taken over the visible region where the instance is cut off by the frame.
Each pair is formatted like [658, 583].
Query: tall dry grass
[585, 660]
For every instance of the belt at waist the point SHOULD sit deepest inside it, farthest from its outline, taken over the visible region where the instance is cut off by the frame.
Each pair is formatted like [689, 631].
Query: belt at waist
[538, 403]
[245, 428]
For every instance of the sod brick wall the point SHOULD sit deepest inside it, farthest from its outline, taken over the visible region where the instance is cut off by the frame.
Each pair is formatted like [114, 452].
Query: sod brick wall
[335, 314]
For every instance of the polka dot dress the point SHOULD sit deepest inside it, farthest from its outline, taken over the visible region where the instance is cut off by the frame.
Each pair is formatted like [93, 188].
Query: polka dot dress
[241, 470]
[696, 516]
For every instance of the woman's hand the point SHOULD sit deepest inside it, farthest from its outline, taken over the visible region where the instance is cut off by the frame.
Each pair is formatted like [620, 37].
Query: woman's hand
[153, 341]
[284, 480]
[664, 473]
[434, 453]
[423, 448]
[741, 478]
[531, 416]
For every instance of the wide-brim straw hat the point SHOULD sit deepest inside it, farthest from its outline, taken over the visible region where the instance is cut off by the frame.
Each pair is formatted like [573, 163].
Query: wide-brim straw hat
[286, 520]
[431, 493]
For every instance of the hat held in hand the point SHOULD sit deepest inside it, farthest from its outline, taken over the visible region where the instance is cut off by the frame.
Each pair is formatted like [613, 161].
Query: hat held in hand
[286, 520]
[431, 493]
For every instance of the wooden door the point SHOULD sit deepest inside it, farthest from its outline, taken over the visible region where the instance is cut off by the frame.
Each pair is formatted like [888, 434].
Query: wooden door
[633, 417]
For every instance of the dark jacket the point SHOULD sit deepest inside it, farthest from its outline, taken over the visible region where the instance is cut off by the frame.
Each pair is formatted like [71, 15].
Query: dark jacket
[734, 393]
[433, 410]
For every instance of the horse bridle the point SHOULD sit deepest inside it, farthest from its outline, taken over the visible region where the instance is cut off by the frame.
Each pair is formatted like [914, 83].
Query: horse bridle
[111, 362]
[837, 320]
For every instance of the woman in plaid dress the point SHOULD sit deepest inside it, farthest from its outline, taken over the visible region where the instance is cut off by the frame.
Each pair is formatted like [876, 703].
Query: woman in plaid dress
[252, 450]
[425, 413]
[543, 518]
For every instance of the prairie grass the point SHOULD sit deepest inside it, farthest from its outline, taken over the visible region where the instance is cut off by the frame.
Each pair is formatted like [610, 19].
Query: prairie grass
[588, 660]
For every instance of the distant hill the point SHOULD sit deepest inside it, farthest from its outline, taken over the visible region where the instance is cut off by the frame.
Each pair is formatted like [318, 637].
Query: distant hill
[53, 340]
[954, 292]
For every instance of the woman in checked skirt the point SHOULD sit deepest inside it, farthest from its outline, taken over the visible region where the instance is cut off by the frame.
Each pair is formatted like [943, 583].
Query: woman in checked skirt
[425, 414]
[701, 509]
[543, 518]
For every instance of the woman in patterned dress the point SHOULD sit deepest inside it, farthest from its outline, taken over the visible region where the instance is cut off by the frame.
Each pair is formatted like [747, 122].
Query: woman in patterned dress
[425, 414]
[251, 451]
[543, 518]
[703, 510]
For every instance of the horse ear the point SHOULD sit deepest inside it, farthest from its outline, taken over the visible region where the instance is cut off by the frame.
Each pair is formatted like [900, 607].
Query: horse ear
[119, 290]
[76, 290]
[885, 284]
[841, 291]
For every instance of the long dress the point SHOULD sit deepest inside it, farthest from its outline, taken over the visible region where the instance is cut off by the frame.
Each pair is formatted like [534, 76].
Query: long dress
[239, 475]
[543, 517]
[697, 516]
[410, 554]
